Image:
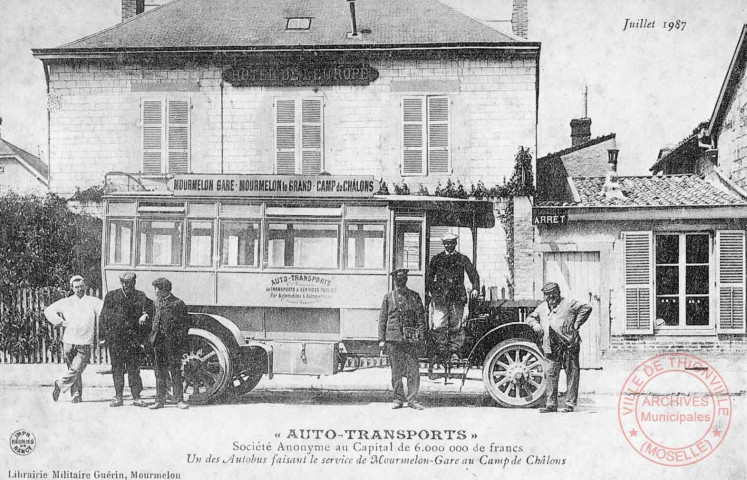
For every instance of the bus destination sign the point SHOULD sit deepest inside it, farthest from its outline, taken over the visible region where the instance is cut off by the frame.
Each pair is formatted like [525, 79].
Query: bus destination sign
[364, 186]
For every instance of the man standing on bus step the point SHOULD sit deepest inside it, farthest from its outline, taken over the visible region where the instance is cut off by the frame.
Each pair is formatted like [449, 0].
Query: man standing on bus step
[123, 326]
[78, 314]
[445, 285]
[169, 338]
[402, 329]
[558, 321]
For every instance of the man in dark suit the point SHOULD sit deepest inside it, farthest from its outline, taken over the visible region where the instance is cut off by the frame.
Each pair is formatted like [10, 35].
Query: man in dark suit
[402, 330]
[123, 326]
[169, 338]
[445, 284]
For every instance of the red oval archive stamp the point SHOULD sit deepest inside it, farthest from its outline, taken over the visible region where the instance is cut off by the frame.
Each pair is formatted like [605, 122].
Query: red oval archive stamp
[674, 409]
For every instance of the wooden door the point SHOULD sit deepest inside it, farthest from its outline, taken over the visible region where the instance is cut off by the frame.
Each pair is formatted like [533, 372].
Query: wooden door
[578, 275]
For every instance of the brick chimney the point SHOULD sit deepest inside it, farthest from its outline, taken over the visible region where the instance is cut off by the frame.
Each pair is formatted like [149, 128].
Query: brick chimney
[520, 18]
[581, 127]
[130, 8]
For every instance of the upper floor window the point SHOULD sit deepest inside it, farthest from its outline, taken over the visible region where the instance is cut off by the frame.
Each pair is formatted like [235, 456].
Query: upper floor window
[299, 136]
[425, 135]
[165, 136]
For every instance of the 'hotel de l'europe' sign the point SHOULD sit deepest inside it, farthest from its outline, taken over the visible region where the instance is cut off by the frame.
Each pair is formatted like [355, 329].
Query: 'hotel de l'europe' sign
[361, 186]
[308, 75]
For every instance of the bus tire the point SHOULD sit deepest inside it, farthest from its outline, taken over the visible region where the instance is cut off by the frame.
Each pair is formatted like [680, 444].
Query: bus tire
[207, 367]
[244, 382]
[514, 374]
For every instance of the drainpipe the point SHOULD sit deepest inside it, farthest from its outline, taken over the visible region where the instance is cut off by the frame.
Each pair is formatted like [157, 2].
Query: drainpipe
[45, 66]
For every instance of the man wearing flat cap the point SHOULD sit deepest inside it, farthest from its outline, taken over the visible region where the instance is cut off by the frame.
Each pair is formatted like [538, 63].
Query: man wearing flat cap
[558, 321]
[444, 283]
[402, 330]
[169, 336]
[124, 327]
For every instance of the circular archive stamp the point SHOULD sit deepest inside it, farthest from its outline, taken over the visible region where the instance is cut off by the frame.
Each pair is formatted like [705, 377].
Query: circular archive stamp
[674, 409]
[22, 442]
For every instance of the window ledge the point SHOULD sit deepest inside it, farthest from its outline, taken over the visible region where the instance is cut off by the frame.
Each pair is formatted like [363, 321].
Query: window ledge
[686, 332]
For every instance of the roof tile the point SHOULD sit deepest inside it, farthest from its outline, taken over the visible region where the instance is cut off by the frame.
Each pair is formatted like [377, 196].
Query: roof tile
[660, 191]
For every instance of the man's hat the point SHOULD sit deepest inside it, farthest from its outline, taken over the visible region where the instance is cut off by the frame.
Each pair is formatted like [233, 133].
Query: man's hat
[127, 277]
[448, 237]
[162, 284]
[395, 272]
[550, 287]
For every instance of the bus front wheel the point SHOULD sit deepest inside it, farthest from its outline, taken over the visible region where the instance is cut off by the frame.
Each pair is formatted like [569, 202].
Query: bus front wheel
[513, 373]
[207, 366]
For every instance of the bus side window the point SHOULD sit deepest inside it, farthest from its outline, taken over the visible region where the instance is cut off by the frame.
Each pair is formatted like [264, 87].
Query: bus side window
[366, 246]
[160, 242]
[303, 245]
[239, 244]
[408, 245]
[200, 253]
[120, 242]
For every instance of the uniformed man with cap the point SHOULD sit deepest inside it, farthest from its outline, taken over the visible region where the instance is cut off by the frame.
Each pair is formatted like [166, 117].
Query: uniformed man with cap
[402, 329]
[558, 321]
[445, 284]
[124, 318]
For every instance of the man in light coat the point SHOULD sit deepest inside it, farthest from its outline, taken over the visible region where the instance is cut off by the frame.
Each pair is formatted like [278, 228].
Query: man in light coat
[78, 314]
[558, 321]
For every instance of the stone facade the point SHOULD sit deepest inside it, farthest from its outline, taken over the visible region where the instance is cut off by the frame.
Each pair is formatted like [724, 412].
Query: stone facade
[95, 123]
[95, 126]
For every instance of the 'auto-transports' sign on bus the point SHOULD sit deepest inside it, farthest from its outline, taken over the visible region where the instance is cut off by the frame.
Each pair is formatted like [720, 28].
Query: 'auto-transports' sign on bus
[284, 274]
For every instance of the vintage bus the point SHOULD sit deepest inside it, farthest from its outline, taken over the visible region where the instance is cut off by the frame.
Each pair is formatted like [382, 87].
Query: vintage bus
[285, 274]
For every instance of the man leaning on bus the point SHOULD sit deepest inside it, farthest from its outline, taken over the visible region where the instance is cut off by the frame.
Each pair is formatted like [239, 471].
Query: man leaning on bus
[402, 330]
[558, 320]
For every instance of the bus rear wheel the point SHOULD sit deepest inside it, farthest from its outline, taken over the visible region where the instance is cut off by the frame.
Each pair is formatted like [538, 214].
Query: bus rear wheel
[207, 367]
[513, 373]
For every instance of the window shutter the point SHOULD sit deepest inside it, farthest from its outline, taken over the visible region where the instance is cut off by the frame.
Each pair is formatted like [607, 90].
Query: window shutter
[152, 136]
[438, 135]
[638, 271]
[311, 136]
[285, 137]
[178, 136]
[730, 281]
[413, 136]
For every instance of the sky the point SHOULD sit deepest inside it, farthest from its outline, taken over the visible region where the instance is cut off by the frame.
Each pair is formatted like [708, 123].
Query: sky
[649, 86]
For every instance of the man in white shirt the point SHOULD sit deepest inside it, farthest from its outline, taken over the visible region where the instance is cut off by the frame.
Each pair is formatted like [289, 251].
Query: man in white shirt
[78, 313]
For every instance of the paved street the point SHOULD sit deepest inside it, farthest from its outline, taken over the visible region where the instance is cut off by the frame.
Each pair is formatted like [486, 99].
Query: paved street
[281, 421]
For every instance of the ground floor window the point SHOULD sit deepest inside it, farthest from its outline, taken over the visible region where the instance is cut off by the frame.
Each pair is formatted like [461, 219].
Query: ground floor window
[683, 277]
